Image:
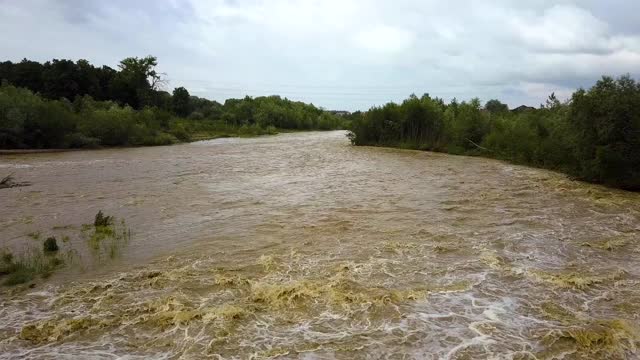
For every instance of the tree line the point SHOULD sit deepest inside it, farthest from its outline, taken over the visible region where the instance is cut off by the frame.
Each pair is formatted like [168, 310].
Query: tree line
[594, 136]
[62, 103]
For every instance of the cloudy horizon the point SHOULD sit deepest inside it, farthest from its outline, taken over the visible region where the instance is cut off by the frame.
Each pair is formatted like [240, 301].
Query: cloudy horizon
[349, 54]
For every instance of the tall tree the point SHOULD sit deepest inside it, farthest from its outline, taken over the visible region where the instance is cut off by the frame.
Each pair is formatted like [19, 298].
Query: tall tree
[136, 81]
[181, 101]
[496, 107]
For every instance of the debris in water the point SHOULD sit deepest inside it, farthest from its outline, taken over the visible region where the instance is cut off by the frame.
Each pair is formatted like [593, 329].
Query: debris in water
[8, 182]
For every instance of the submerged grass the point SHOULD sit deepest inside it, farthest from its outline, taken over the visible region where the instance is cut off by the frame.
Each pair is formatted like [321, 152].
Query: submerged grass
[105, 238]
[27, 267]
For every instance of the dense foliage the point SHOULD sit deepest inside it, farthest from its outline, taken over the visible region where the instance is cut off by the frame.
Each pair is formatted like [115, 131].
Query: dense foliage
[62, 104]
[595, 136]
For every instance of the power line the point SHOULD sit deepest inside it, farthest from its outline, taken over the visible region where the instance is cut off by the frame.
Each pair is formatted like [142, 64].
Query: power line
[307, 86]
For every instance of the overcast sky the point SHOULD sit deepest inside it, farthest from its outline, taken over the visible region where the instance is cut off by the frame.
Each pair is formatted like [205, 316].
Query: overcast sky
[341, 54]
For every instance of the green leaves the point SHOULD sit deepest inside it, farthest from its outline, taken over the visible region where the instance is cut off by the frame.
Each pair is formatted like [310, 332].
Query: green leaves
[595, 137]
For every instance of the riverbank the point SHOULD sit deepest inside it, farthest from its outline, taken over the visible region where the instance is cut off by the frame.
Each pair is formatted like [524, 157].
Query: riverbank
[34, 151]
[594, 137]
[86, 123]
[193, 138]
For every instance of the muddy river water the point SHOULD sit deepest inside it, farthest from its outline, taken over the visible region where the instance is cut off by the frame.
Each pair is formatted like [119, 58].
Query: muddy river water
[302, 246]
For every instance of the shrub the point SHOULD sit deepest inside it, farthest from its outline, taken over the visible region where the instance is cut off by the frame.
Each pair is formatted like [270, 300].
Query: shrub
[78, 140]
[102, 221]
[50, 245]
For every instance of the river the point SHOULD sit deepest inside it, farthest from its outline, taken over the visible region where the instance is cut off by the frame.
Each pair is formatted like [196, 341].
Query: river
[302, 246]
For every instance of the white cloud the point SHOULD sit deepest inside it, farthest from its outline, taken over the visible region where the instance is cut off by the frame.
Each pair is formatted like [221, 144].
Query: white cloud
[384, 39]
[562, 28]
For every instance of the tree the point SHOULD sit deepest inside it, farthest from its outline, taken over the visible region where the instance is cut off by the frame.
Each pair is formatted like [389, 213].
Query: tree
[142, 70]
[28, 74]
[606, 124]
[496, 107]
[181, 101]
[61, 79]
[553, 102]
[136, 82]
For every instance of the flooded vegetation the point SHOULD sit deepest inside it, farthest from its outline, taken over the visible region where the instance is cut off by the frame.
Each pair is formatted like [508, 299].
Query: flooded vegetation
[302, 246]
[103, 238]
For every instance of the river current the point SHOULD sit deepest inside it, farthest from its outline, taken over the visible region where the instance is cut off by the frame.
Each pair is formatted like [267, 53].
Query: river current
[302, 246]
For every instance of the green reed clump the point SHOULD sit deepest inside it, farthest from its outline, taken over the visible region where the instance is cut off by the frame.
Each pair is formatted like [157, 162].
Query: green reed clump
[102, 221]
[107, 236]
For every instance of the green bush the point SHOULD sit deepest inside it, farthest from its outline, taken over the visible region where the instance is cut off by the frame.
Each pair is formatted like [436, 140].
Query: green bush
[78, 140]
[101, 220]
[594, 137]
[50, 245]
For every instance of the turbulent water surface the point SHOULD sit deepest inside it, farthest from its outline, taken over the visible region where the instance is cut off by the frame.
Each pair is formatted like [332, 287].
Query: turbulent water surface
[301, 246]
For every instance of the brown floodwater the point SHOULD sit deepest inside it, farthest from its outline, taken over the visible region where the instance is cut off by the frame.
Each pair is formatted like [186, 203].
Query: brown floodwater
[302, 246]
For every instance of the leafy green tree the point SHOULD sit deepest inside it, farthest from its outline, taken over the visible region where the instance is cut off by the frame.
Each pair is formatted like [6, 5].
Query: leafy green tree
[136, 81]
[606, 121]
[181, 101]
[28, 74]
[61, 79]
[496, 107]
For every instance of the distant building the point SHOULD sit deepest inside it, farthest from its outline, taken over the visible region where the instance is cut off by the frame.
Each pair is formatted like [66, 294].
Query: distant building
[340, 112]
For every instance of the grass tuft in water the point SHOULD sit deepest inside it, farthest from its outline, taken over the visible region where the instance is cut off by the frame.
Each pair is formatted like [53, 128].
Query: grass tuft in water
[27, 267]
[107, 237]
[102, 221]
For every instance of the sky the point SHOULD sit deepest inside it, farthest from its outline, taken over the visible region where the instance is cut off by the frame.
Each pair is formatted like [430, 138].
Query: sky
[341, 54]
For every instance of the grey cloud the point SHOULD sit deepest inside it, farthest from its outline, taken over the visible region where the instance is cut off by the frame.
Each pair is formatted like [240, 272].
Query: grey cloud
[342, 53]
